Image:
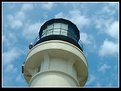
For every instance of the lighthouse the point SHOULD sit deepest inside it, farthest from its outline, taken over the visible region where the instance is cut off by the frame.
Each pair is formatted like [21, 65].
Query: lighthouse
[56, 59]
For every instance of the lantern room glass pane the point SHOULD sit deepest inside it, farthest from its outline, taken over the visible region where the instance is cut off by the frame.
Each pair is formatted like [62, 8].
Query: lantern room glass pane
[44, 31]
[43, 36]
[56, 31]
[63, 32]
[56, 25]
[64, 26]
[49, 32]
[50, 27]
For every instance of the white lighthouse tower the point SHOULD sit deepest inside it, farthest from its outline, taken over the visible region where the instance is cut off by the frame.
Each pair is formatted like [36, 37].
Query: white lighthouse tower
[56, 59]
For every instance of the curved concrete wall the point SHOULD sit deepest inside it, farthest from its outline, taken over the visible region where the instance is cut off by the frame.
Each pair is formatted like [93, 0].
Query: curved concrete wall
[56, 63]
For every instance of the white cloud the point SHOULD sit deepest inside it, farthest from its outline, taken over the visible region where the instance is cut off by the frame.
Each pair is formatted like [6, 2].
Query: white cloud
[99, 23]
[6, 39]
[31, 30]
[11, 6]
[109, 8]
[103, 68]
[86, 39]
[102, 24]
[60, 15]
[10, 67]
[76, 17]
[98, 84]
[79, 19]
[108, 48]
[87, 42]
[27, 6]
[48, 5]
[105, 20]
[91, 78]
[109, 27]
[19, 78]
[16, 21]
[10, 55]
[113, 29]
[20, 15]
[17, 24]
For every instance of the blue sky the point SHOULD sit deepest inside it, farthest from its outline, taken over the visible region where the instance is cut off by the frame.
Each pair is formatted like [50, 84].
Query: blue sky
[99, 31]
